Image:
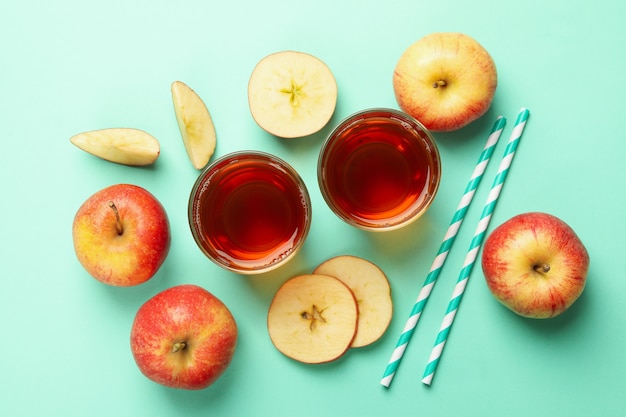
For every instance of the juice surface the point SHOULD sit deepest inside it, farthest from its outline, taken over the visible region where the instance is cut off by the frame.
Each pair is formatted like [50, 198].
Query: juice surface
[377, 172]
[250, 214]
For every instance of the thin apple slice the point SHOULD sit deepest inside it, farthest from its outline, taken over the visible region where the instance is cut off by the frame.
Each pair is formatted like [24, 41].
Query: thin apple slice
[195, 124]
[120, 145]
[313, 318]
[292, 94]
[372, 291]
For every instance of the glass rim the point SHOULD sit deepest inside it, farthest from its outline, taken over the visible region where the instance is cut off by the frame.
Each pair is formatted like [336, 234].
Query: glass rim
[249, 155]
[432, 152]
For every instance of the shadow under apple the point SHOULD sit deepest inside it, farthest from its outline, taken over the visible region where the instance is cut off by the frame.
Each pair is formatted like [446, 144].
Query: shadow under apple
[550, 327]
[207, 399]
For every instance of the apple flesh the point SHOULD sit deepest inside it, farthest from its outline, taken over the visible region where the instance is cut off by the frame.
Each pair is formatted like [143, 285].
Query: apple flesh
[121, 235]
[445, 80]
[535, 265]
[195, 124]
[345, 303]
[371, 290]
[124, 146]
[292, 94]
[183, 337]
[313, 318]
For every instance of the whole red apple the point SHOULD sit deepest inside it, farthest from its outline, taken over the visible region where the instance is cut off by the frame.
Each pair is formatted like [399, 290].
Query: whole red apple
[183, 337]
[445, 80]
[121, 235]
[535, 265]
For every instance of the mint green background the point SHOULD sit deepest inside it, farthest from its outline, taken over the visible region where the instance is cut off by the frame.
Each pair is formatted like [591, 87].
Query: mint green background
[71, 66]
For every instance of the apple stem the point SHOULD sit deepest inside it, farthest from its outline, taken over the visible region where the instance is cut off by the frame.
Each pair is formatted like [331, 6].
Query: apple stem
[542, 268]
[440, 83]
[119, 226]
[178, 346]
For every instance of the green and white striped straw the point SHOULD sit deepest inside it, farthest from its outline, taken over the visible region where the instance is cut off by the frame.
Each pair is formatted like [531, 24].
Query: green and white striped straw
[450, 235]
[475, 244]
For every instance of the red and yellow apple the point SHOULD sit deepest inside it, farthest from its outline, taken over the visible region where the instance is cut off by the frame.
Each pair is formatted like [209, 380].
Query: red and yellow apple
[183, 337]
[535, 264]
[121, 235]
[445, 80]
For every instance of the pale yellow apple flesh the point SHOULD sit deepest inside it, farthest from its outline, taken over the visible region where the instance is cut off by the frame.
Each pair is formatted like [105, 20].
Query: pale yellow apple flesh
[195, 124]
[125, 146]
[445, 80]
[313, 318]
[292, 94]
[372, 291]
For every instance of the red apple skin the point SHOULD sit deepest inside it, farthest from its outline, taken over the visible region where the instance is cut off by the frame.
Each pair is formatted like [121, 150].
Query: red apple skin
[135, 255]
[514, 255]
[185, 314]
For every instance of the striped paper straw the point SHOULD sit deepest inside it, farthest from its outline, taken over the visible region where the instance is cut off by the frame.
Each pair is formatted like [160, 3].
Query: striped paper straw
[475, 244]
[435, 269]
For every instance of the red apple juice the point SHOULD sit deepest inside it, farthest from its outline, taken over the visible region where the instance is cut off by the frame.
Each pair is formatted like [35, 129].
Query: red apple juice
[249, 212]
[379, 169]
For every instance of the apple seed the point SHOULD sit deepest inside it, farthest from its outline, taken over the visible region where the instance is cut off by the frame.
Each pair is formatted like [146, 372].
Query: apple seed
[314, 316]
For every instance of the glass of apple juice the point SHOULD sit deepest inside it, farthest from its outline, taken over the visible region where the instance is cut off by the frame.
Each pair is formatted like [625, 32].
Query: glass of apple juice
[379, 169]
[249, 212]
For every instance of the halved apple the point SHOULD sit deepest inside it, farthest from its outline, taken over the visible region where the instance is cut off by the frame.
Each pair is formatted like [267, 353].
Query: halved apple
[292, 94]
[195, 124]
[120, 145]
[313, 318]
[372, 291]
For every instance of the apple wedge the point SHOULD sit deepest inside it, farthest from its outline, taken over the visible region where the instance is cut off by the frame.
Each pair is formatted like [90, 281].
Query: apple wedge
[120, 145]
[313, 318]
[195, 124]
[292, 94]
[372, 291]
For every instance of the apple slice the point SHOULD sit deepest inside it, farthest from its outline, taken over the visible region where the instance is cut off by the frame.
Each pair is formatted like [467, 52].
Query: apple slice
[292, 94]
[195, 124]
[120, 145]
[313, 318]
[372, 291]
